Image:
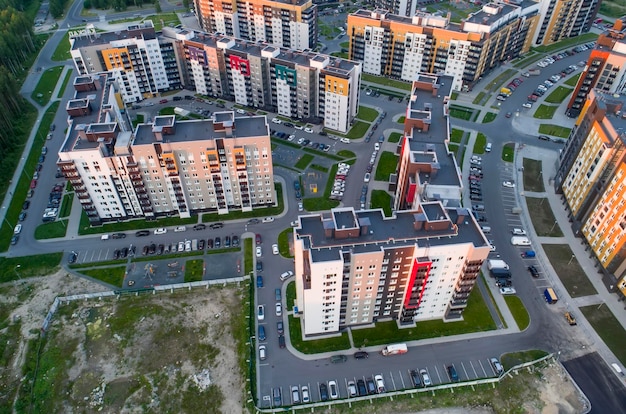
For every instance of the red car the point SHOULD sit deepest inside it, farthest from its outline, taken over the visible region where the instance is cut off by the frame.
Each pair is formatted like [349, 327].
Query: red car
[33, 184]
[162, 101]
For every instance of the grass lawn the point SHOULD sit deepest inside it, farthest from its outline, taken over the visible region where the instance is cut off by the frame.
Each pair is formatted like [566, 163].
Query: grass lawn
[508, 152]
[247, 256]
[358, 130]
[515, 358]
[569, 271]
[476, 318]
[346, 153]
[394, 137]
[163, 19]
[558, 95]
[542, 217]
[290, 294]
[608, 327]
[319, 168]
[28, 266]
[111, 275]
[454, 96]
[555, 130]
[545, 112]
[304, 160]
[489, 117]
[533, 180]
[572, 81]
[283, 242]
[477, 100]
[367, 114]
[480, 143]
[454, 148]
[66, 205]
[318, 345]
[47, 82]
[194, 270]
[461, 112]
[382, 80]
[495, 84]
[401, 119]
[319, 203]
[68, 75]
[386, 165]
[51, 230]
[381, 199]
[62, 52]
[518, 311]
[456, 135]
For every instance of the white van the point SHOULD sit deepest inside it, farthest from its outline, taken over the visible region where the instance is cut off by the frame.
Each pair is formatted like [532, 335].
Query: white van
[485, 229]
[520, 241]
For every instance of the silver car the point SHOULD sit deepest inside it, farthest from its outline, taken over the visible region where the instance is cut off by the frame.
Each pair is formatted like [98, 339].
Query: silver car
[425, 378]
[295, 394]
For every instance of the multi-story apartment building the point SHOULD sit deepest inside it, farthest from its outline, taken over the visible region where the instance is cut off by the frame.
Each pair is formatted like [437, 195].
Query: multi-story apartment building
[427, 169]
[291, 24]
[359, 267]
[163, 168]
[606, 67]
[297, 84]
[400, 47]
[592, 178]
[561, 19]
[142, 63]
[304, 85]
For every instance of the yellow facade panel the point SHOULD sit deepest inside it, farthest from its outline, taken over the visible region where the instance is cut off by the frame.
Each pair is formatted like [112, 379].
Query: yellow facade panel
[337, 85]
[113, 57]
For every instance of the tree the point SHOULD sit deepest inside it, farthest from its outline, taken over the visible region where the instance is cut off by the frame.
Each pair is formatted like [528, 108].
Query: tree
[157, 6]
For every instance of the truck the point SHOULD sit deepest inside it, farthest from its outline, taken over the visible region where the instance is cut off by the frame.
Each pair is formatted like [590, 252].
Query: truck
[520, 241]
[550, 296]
[395, 349]
[505, 91]
[500, 273]
[497, 264]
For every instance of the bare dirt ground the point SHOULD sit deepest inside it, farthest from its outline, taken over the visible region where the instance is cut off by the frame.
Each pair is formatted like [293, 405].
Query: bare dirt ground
[169, 352]
[175, 353]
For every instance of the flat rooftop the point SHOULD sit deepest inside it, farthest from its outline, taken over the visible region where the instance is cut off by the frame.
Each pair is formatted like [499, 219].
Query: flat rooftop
[615, 106]
[194, 130]
[486, 16]
[453, 225]
[430, 145]
[144, 30]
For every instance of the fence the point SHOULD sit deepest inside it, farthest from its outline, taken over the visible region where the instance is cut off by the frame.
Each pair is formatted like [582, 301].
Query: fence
[64, 300]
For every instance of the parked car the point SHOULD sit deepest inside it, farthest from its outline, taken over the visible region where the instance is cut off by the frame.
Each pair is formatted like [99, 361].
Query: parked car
[280, 327]
[533, 271]
[323, 391]
[361, 355]
[425, 378]
[497, 366]
[415, 378]
[336, 359]
[333, 390]
[380, 383]
[454, 377]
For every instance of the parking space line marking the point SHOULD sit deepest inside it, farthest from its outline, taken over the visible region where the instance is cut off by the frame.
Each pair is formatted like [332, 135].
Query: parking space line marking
[475, 373]
[464, 370]
[392, 381]
[402, 379]
[483, 368]
[438, 376]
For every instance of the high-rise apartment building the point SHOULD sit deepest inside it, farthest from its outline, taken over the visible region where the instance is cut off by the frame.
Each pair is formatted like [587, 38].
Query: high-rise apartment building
[427, 169]
[606, 67]
[163, 168]
[296, 84]
[142, 63]
[400, 47]
[561, 19]
[291, 24]
[592, 178]
[359, 267]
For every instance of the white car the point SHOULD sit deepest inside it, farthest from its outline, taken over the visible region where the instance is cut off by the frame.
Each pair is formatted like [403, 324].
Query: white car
[308, 130]
[300, 207]
[425, 378]
[518, 232]
[160, 230]
[377, 146]
[260, 313]
[294, 223]
[528, 104]
[268, 219]
[366, 179]
[180, 228]
[526, 74]
[508, 184]
[345, 140]
[352, 391]
[507, 291]
[497, 366]
[277, 121]
[259, 253]
[333, 390]
[240, 111]
[380, 384]
[279, 309]
[291, 137]
[298, 127]
[300, 141]
[274, 249]
[305, 394]
[262, 353]
[17, 229]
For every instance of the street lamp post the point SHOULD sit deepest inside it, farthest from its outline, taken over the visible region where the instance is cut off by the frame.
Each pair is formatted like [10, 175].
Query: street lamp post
[16, 272]
[553, 226]
[570, 260]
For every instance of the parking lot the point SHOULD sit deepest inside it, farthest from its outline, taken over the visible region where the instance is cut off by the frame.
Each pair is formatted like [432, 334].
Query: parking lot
[466, 370]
